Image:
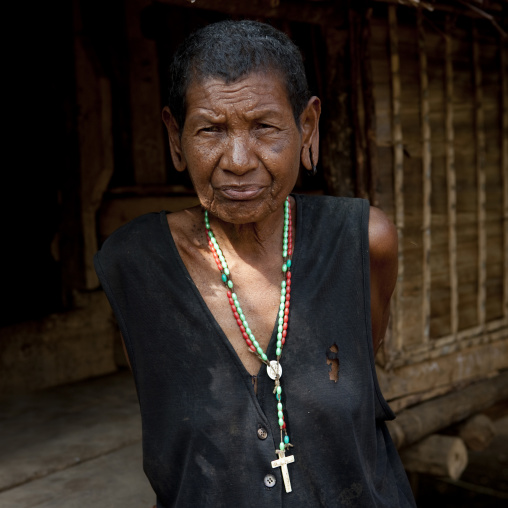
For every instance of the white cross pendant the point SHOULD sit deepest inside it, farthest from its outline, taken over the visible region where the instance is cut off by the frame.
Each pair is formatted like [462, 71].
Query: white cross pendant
[283, 462]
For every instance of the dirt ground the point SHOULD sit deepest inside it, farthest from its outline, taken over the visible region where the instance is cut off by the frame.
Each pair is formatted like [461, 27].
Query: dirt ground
[79, 446]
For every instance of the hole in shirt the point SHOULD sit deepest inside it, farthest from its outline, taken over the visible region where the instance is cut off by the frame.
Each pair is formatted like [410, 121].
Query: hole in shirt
[332, 359]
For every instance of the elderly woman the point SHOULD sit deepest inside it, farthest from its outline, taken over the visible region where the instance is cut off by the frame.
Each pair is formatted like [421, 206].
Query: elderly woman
[251, 321]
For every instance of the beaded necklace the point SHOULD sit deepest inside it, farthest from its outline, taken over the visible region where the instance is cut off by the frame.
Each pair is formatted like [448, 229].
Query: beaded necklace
[274, 369]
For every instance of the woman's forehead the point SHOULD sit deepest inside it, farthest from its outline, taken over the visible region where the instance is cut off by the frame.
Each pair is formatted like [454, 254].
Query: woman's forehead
[254, 89]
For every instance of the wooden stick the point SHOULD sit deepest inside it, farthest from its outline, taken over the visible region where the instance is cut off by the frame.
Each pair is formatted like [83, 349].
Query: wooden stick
[398, 170]
[450, 181]
[426, 178]
[480, 178]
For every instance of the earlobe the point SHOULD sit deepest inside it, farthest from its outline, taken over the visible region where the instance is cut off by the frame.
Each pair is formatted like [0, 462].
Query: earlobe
[175, 145]
[310, 134]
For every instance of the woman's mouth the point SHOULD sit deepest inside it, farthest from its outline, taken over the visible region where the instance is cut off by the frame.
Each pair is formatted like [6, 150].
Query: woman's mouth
[241, 192]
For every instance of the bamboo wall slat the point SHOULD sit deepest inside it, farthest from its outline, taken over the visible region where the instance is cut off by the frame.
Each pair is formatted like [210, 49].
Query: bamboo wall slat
[426, 177]
[450, 182]
[480, 180]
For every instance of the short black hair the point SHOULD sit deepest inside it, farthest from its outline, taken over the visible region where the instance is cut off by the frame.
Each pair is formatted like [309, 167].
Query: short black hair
[230, 50]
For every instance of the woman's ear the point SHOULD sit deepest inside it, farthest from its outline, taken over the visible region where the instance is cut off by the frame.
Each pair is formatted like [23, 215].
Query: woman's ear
[175, 144]
[309, 122]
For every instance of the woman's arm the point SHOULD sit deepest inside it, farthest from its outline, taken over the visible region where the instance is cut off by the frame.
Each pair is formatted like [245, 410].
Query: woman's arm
[383, 249]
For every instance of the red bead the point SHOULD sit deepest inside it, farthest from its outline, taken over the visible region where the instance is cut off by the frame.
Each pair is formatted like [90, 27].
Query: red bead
[286, 311]
[237, 316]
[287, 303]
[252, 348]
[285, 326]
[232, 303]
[245, 336]
[284, 333]
[248, 341]
[230, 295]
[283, 341]
[284, 425]
[242, 328]
[285, 318]
[239, 321]
[233, 308]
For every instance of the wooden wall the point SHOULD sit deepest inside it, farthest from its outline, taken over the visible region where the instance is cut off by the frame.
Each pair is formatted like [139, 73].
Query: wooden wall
[441, 105]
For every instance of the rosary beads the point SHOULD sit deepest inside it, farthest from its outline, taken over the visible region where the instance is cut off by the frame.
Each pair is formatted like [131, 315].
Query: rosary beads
[274, 369]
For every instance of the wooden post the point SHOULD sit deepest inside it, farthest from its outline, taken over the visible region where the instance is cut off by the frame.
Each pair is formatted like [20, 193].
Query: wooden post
[94, 125]
[398, 170]
[504, 161]
[426, 179]
[450, 181]
[369, 110]
[436, 455]
[357, 104]
[147, 132]
[480, 180]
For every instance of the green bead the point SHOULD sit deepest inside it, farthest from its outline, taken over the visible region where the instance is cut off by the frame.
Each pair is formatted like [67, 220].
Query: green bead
[279, 406]
[264, 357]
[226, 269]
[284, 267]
[280, 414]
[279, 343]
[230, 284]
[255, 343]
[281, 446]
[235, 298]
[281, 422]
[278, 351]
[279, 336]
[283, 283]
[285, 255]
[279, 389]
[280, 328]
[259, 350]
[242, 317]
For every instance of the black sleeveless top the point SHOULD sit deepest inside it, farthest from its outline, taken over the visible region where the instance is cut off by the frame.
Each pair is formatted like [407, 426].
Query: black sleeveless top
[199, 411]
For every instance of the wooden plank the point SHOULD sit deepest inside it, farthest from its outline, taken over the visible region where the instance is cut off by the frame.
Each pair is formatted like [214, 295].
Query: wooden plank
[398, 172]
[504, 162]
[480, 177]
[148, 142]
[426, 178]
[450, 180]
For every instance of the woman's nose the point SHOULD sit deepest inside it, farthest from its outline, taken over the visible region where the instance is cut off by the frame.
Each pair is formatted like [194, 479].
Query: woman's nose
[238, 156]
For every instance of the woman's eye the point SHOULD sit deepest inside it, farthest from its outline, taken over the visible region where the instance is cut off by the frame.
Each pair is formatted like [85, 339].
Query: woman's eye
[211, 128]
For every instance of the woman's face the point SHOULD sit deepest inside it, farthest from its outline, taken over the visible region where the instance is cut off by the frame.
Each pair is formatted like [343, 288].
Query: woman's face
[241, 145]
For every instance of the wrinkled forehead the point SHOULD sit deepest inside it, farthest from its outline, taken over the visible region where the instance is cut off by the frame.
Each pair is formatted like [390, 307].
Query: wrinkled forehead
[268, 78]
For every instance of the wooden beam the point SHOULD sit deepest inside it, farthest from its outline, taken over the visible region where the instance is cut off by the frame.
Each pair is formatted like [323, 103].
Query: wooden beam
[429, 417]
[306, 12]
[426, 179]
[398, 172]
[451, 181]
[477, 432]
[148, 155]
[480, 180]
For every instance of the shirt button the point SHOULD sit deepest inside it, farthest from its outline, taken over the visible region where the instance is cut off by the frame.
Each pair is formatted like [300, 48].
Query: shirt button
[270, 480]
[262, 433]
